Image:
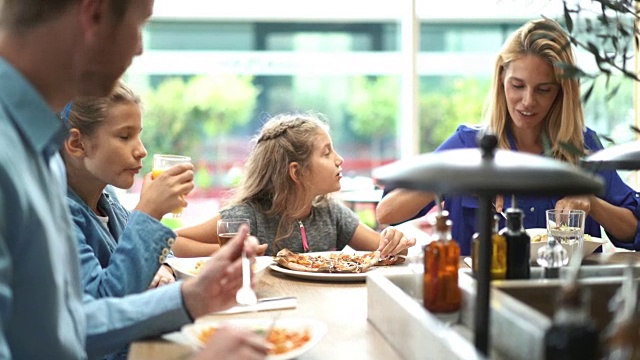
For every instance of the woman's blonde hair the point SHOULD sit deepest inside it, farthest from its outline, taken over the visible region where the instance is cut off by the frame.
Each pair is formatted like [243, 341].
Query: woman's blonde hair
[266, 183]
[88, 113]
[564, 123]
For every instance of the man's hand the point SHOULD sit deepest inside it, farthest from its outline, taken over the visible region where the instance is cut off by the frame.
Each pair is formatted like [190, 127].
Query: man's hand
[214, 289]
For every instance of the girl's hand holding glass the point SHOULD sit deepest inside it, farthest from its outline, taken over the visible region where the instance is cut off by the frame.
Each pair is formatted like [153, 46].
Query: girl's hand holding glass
[393, 241]
[165, 191]
[163, 163]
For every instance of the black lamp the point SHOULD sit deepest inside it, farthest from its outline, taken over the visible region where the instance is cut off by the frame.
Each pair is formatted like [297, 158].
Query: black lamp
[619, 157]
[486, 172]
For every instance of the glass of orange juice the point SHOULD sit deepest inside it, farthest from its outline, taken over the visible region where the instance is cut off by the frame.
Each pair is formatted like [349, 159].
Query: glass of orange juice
[161, 163]
[228, 228]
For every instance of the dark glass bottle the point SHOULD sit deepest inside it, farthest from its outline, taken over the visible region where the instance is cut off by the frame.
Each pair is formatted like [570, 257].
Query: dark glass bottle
[498, 252]
[518, 246]
[622, 336]
[441, 293]
[573, 335]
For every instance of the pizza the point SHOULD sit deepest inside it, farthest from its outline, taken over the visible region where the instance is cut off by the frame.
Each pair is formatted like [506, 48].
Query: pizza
[332, 262]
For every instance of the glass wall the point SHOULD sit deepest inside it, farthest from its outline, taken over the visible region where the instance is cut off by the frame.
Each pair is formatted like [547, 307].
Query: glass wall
[347, 71]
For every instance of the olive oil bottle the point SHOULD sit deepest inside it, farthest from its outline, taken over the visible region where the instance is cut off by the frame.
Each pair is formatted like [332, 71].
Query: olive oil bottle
[441, 293]
[498, 252]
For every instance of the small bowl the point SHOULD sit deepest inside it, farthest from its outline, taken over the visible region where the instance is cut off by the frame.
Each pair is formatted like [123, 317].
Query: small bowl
[589, 243]
[185, 268]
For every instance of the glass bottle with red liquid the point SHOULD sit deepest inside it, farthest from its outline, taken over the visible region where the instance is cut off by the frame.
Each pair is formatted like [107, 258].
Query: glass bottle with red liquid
[441, 293]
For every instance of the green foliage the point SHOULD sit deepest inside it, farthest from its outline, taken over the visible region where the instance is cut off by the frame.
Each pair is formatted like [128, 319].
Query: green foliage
[444, 105]
[373, 106]
[367, 217]
[180, 115]
[607, 30]
[447, 107]
[609, 114]
[221, 103]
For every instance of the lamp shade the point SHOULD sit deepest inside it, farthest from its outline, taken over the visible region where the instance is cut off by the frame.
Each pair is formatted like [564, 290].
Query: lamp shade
[619, 157]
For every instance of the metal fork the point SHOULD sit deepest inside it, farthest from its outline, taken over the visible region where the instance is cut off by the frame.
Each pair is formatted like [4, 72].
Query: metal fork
[272, 325]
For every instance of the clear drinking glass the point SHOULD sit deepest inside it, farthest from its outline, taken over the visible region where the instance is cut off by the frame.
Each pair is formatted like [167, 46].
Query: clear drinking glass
[228, 228]
[161, 163]
[566, 226]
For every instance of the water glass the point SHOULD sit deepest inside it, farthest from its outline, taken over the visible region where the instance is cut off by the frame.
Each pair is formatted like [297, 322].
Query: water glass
[228, 228]
[566, 226]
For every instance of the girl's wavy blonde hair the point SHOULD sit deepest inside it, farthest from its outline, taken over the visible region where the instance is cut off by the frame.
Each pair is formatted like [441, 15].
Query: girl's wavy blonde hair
[565, 121]
[266, 183]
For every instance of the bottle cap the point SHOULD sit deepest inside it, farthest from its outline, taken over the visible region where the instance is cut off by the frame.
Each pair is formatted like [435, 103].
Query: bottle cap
[442, 222]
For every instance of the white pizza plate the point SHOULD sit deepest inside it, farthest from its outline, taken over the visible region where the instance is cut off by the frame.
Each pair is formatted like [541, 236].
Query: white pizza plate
[317, 330]
[186, 267]
[323, 276]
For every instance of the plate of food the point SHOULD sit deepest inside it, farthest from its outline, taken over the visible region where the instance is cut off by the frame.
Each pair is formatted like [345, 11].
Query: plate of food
[331, 265]
[539, 239]
[289, 337]
[185, 268]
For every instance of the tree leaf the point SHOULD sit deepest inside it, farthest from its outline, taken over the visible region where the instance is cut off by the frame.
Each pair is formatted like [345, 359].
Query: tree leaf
[567, 18]
[588, 93]
[612, 93]
[608, 139]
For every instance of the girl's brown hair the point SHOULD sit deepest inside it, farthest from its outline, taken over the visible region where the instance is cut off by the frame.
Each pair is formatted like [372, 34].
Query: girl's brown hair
[266, 184]
[87, 113]
[565, 121]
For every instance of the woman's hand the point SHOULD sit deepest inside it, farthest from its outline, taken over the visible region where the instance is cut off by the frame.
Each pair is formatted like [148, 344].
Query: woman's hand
[393, 241]
[582, 202]
[166, 192]
[164, 276]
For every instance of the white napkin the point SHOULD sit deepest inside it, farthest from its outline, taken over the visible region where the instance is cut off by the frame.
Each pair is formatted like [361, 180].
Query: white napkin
[262, 305]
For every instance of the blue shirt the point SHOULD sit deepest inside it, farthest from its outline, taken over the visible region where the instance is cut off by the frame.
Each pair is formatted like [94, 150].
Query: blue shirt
[462, 209]
[43, 314]
[123, 258]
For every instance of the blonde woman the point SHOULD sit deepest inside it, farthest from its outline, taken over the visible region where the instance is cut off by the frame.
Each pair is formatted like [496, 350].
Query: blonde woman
[532, 108]
[289, 173]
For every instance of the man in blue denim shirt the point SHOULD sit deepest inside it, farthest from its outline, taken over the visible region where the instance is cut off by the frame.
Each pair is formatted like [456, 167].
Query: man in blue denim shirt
[50, 52]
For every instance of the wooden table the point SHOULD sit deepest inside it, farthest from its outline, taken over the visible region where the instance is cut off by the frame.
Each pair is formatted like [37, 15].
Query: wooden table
[342, 306]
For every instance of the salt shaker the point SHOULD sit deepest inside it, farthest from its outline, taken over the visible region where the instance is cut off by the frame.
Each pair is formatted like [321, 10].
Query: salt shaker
[552, 257]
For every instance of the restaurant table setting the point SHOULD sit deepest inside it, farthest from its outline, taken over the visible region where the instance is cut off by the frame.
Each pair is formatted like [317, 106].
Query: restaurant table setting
[325, 302]
[381, 316]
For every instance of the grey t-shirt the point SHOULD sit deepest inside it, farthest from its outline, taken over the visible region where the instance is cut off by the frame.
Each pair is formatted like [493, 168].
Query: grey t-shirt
[330, 227]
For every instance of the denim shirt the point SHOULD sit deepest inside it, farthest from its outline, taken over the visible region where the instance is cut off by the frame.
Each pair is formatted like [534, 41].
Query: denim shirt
[43, 314]
[462, 209]
[122, 259]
